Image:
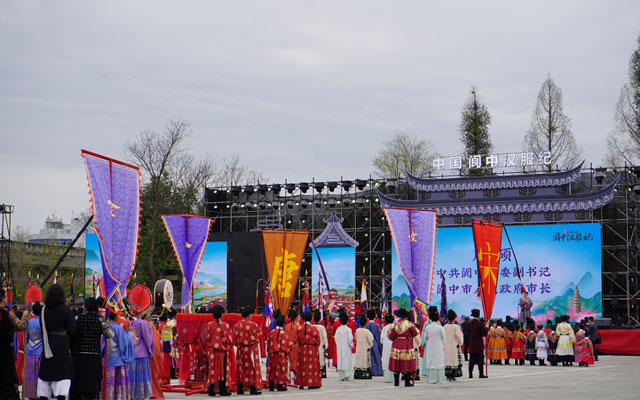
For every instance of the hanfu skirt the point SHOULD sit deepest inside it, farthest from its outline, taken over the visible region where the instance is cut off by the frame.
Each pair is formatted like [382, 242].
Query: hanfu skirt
[140, 379]
[30, 385]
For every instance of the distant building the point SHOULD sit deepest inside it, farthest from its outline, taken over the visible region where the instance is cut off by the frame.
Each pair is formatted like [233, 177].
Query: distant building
[57, 232]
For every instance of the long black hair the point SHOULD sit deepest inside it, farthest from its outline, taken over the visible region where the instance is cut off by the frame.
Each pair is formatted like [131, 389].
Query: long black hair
[54, 296]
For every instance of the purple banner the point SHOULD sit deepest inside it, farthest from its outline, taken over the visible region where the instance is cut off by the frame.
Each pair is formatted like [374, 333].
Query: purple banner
[188, 234]
[414, 238]
[115, 197]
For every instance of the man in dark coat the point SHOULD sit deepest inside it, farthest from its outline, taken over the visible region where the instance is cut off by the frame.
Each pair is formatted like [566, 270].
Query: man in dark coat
[476, 345]
[592, 334]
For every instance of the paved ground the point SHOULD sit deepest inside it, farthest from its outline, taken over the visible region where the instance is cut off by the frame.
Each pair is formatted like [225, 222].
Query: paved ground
[617, 376]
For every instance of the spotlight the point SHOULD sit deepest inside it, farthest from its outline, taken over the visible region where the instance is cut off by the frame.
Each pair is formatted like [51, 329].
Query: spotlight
[636, 189]
[346, 185]
[275, 205]
[636, 171]
[262, 205]
[360, 201]
[304, 203]
[235, 206]
[290, 204]
[236, 190]
[262, 189]
[332, 185]
[332, 202]
[391, 185]
[318, 186]
[304, 186]
[248, 189]
[346, 202]
[600, 174]
[248, 204]
[360, 184]
[276, 188]
[317, 203]
[291, 187]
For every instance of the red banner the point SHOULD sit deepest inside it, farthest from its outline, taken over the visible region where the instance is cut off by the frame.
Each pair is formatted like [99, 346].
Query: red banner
[487, 237]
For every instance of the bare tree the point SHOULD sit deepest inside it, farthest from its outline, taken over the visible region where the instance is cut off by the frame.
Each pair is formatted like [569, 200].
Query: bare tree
[20, 234]
[234, 173]
[550, 129]
[156, 154]
[624, 141]
[402, 151]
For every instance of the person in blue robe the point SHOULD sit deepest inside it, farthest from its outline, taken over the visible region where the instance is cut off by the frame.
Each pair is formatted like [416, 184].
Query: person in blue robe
[376, 349]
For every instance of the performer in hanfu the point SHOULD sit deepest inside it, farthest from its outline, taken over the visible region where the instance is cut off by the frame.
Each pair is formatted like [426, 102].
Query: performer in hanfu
[402, 359]
[87, 361]
[140, 372]
[566, 339]
[219, 340]
[291, 328]
[344, 344]
[477, 331]
[278, 347]
[308, 366]
[376, 348]
[120, 353]
[525, 308]
[517, 350]
[33, 354]
[364, 341]
[247, 334]
[386, 348]
[58, 327]
[324, 343]
[500, 345]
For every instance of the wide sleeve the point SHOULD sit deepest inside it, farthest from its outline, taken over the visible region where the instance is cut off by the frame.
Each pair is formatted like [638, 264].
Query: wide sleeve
[392, 334]
[147, 336]
[423, 341]
[19, 324]
[459, 337]
[443, 338]
[369, 339]
[350, 338]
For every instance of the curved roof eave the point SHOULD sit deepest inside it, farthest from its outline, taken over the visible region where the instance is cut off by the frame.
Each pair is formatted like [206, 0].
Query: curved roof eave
[494, 181]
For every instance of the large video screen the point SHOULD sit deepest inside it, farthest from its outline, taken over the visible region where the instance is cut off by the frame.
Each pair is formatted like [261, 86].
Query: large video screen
[92, 264]
[560, 267]
[340, 266]
[210, 284]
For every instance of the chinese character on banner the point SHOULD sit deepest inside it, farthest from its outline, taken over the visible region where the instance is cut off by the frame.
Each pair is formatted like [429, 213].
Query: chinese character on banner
[475, 161]
[510, 160]
[526, 159]
[438, 163]
[544, 158]
[455, 162]
[492, 161]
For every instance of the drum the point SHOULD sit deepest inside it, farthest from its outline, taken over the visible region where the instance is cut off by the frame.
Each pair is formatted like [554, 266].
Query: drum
[163, 293]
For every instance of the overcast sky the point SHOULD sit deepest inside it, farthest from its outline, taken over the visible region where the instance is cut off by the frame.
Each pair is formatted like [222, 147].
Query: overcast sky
[297, 90]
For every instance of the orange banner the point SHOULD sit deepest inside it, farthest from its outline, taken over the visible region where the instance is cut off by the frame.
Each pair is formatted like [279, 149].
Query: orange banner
[284, 251]
[487, 237]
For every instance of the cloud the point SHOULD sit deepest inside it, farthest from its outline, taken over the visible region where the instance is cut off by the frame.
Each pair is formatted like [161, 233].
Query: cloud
[298, 90]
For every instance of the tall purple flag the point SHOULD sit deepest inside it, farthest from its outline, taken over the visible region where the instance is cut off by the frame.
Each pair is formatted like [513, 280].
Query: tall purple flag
[188, 234]
[115, 201]
[414, 238]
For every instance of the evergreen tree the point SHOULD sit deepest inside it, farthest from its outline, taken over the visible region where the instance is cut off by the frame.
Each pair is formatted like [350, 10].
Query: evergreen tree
[474, 134]
[624, 141]
[551, 129]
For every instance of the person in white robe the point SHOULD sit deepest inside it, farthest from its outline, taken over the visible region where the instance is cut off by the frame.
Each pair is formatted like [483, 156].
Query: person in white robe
[324, 343]
[344, 344]
[434, 337]
[386, 348]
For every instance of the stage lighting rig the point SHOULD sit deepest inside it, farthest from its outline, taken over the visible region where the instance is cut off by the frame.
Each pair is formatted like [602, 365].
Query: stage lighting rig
[291, 187]
[248, 189]
[360, 184]
[318, 186]
[346, 185]
[599, 175]
[391, 185]
[332, 202]
[236, 190]
[276, 188]
[332, 185]
[304, 203]
[304, 186]
[262, 189]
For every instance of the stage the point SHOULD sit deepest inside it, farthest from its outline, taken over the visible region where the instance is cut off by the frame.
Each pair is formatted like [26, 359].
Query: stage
[619, 341]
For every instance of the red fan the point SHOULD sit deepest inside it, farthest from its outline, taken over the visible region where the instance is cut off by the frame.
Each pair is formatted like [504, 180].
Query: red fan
[140, 298]
[33, 294]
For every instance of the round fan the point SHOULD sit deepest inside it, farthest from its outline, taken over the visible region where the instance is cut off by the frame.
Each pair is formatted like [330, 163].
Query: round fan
[139, 298]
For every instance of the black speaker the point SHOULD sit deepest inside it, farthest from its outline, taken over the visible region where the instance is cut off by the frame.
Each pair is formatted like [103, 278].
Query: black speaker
[603, 323]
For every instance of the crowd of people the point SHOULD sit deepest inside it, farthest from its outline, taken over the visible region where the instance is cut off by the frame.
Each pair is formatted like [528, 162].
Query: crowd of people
[84, 355]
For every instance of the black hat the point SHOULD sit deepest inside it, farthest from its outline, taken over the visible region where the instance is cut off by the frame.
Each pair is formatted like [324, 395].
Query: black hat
[401, 313]
[247, 311]
[475, 313]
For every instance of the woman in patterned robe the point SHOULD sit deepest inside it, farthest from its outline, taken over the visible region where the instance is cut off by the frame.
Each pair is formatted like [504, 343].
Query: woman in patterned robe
[402, 359]
[308, 369]
[499, 346]
[278, 347]
[247, 334]
[517, 351]
[218, 342]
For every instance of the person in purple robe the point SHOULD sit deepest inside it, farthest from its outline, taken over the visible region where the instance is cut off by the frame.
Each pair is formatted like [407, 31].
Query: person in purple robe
[140, 372]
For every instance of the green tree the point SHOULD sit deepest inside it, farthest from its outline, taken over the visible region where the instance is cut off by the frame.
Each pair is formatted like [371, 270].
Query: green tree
[550, 129]
[402, 151]
[623, 142]
[474, 134]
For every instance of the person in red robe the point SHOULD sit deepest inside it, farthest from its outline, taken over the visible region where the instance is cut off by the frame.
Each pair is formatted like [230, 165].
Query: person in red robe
[292, 330]
[402, 358]
[247, 334]
[156, 365]
[218, 342]
[278, 347]
[308, 372]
